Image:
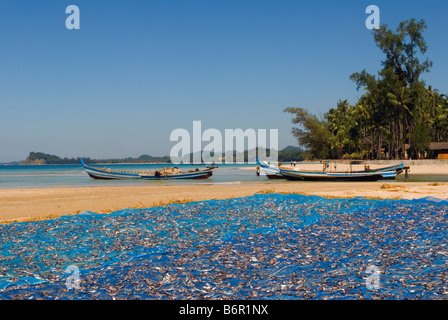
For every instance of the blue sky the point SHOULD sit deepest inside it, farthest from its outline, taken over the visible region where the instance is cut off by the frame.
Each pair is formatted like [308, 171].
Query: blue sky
[137, 70]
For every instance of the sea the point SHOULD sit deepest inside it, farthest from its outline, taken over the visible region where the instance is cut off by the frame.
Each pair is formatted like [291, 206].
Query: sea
[48, 176]
[262, 247]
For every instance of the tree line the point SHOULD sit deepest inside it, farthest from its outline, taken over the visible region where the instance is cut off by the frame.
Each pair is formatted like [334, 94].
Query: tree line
[397, 116]
[44, 158]
[287, 154]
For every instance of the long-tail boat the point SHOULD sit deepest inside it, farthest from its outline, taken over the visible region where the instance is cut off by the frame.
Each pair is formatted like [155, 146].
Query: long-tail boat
[161, 174]
[327, 174]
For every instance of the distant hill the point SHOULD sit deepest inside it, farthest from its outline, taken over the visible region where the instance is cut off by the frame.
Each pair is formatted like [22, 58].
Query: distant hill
[40, 158]
[291, 153]
[144, 158]
[289, 148]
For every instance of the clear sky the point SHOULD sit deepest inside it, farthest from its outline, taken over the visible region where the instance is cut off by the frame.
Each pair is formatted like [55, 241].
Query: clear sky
[137, 70]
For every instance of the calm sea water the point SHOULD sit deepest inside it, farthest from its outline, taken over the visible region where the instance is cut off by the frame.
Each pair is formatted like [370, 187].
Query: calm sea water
[45, 176]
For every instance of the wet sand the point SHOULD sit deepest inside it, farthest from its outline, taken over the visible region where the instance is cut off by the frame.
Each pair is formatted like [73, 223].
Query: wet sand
[39, 204]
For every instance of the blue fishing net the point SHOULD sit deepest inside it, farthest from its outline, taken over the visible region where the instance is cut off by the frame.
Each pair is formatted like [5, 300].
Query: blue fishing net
[271, 246]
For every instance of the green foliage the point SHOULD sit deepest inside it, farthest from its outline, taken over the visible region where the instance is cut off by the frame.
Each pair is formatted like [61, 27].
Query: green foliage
[49, 158]
[44, 158]
[289, 154]
[420, 140]
[315, 135]
[395, 111]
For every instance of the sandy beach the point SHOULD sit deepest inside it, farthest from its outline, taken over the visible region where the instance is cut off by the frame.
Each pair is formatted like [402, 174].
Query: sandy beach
[46, 203]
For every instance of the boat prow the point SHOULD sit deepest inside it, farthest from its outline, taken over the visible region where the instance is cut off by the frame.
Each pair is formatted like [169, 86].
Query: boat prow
[270, 171]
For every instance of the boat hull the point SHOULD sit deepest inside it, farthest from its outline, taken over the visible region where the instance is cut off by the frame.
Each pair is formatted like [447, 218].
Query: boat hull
[310, 176]
[107, 174]
[99, 174]
[275, 176]
[385, 173]
[271, 173]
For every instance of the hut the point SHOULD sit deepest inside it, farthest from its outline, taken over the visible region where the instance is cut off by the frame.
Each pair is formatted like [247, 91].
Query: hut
[438, 150]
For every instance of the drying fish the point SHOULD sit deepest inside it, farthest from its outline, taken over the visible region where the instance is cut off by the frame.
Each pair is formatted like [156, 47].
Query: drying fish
[269, 246]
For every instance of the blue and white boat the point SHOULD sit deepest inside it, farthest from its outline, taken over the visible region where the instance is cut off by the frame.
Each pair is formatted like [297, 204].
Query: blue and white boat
[269, 170]
[367, 175]
[162, 174]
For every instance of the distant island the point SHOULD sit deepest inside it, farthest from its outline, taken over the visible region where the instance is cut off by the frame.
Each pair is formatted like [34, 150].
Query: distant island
[291, 153]
[40, 158]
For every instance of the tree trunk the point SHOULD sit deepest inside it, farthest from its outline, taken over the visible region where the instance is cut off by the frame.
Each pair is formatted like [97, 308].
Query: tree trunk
[378, 155]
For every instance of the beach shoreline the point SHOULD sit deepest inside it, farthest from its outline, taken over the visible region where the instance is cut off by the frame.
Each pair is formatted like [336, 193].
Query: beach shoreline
[20, 205]
[34, 204]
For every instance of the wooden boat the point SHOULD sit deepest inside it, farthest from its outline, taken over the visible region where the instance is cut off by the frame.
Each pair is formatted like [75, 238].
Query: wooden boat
[399, 168]
[367, 175]
[270, 171]
[162, 174]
